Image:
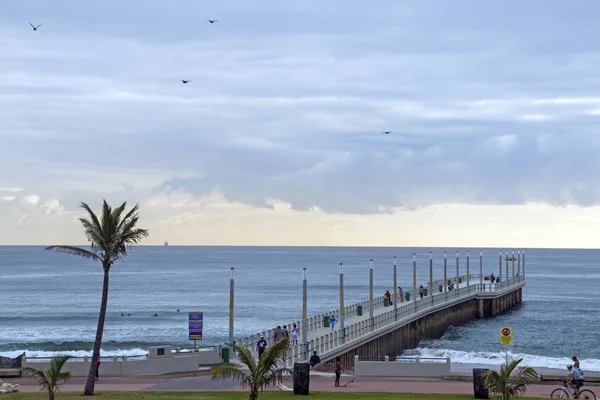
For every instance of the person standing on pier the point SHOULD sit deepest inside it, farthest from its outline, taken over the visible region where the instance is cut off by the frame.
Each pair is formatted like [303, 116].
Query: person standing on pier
[278, 334]
[421, 291]
[332, 321]
[389, 296]
[286, 334]
[294, 335]
[261, 345]
[401, 294]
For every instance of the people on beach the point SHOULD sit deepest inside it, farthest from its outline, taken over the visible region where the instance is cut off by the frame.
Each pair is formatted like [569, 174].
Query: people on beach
[261, 346]
[389, 296]
[314, 359]
[332, 321]
[338, 372]
[401, 294]
[278, 334]
[294, 335]
[421, 291]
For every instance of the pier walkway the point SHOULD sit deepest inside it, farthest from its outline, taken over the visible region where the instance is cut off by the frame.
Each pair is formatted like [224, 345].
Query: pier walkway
[360, 328]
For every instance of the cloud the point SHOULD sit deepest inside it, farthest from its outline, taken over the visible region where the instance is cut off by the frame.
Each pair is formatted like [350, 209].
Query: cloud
[287, 101]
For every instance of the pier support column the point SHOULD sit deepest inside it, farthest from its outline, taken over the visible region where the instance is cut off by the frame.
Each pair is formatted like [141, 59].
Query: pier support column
[493, 307]
[480, 313]
[231, 300]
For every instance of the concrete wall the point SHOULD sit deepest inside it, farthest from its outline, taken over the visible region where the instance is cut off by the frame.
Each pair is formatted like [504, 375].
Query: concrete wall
[114, 366]
[410, 367]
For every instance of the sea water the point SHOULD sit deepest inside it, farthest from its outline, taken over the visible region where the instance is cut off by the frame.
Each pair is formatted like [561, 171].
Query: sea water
[49, 302]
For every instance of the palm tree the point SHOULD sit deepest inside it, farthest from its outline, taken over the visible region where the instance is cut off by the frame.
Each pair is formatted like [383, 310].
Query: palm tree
[51, 378]
[506, 384]
[110, 237]
[261, 374]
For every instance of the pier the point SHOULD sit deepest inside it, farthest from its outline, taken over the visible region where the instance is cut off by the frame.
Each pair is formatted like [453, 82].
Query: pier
[375, 329]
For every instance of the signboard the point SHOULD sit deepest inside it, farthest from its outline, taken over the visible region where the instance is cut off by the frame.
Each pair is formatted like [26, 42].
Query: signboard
[505, 335]
[195, 325]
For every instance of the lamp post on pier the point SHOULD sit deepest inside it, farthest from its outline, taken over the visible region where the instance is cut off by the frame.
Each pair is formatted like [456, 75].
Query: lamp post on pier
[231, 299]
[304, 316]
[445, 275]
[371, 292]
[500, 264]
[480, 270]
[519, 262]
[513, 264]
[523, 263]
[468, 273]
[415, 280]
[343, 331]
[395, 290]
[506, 260]
[431, 276]
[457, 275]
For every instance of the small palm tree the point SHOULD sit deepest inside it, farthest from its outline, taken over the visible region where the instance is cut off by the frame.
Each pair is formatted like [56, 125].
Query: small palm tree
[51, 378]
[110, 237]
[261, 374]
[506, 384]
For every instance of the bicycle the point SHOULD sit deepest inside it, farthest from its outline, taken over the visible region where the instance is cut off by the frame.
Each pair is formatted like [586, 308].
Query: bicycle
[568, 392]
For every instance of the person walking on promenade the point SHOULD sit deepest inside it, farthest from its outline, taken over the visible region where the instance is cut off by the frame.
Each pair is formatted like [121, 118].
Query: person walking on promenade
[575, 361]
[314, 359]
[98, 369]
[421, 291]
[278, 334]
[338, 372]
[294, 335]
[332, 321]
[261, 346]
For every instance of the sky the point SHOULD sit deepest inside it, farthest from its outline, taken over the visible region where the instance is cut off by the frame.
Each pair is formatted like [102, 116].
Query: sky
[276, 140]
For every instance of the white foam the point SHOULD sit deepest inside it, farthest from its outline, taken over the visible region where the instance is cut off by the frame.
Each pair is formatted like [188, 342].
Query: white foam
[487, 358]
[74, 353]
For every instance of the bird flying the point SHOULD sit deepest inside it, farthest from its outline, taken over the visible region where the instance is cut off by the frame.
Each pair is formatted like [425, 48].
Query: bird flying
[386, 132]
[34, 27]
[184, 81]
[212, 21]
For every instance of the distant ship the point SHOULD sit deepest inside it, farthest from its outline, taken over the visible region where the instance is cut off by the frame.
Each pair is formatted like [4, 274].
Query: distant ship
[166, 244]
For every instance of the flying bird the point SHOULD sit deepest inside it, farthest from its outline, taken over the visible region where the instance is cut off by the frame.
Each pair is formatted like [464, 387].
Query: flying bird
[386, 132]
[34, 27]
[212, 21]
[184, 81]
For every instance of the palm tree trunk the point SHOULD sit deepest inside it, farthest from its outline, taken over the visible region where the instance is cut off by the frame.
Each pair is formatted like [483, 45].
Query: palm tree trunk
[91, 379]
[50, 394]
[253, 394]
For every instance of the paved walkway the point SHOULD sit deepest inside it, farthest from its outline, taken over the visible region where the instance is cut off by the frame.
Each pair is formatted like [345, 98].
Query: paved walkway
[317, 383]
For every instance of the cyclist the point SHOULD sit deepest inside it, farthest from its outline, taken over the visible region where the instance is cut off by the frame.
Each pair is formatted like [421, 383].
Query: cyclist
[575, 377]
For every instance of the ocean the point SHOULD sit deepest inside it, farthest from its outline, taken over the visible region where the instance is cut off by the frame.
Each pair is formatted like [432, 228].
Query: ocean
[49, 302]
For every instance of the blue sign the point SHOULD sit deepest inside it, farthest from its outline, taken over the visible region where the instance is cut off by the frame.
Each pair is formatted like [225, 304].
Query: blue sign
[196, 321]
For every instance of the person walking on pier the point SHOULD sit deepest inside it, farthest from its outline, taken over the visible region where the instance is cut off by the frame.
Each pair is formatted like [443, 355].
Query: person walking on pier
[421, 291]
[332, 321]
[278, 334]
[286, 333]
[338, 372]
[389, 296]
[261, 345]
[401, 294]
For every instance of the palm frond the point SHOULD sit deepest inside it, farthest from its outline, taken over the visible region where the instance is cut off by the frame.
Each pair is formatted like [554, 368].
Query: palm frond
[229, 372]
[50, 378]
[77, 251]
[506, 383]
[245, 356]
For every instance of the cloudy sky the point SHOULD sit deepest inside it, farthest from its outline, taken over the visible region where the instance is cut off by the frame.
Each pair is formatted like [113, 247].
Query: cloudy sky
[494, 109]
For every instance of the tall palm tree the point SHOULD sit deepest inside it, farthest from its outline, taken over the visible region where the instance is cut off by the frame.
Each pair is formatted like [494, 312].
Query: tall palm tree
[506, 384]
[261, 374]
[110, 237]
[51, 378]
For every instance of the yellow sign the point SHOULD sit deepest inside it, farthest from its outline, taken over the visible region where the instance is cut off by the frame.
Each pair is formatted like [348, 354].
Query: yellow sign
[505, 335]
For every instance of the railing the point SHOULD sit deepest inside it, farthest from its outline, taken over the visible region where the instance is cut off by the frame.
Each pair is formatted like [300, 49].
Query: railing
[330, 341]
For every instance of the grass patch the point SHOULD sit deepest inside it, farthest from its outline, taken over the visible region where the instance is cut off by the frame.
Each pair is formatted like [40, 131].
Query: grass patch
[270, 395]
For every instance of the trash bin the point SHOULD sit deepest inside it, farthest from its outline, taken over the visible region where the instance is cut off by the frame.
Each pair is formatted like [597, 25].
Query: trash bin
[407, 296]
[479, 389]
[359, 309]
[460, 280]
[225, 354]
[441, 288]
[326, 321]
[449, 282]
[386, 302]
[425, 292]
[301, 379]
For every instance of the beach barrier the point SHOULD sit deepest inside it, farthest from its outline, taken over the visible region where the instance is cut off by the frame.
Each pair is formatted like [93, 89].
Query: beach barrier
[412, 367]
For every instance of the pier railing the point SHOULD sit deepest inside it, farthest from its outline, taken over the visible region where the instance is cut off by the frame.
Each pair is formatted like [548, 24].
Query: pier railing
[323, 341]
